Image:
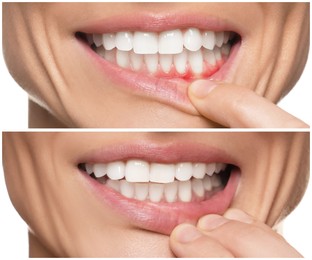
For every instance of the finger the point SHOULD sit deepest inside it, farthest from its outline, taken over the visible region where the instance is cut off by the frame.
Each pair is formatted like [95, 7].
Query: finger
[187, 241]
[234, 106]
[244, 237]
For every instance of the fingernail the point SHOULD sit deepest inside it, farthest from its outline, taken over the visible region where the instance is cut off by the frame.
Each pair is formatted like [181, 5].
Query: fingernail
[186, 233]
[237, 214]
[211, 222]
[201, 88]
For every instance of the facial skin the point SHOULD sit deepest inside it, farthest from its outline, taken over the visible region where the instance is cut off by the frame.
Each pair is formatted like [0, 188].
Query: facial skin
[62, 79]
[66, 218]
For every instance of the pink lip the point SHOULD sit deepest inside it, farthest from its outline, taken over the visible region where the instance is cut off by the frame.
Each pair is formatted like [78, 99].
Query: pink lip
[161, 217]
[172, 92]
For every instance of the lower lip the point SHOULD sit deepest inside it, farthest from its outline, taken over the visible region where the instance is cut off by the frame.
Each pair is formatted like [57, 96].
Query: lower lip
[164, 217]
[172, 92]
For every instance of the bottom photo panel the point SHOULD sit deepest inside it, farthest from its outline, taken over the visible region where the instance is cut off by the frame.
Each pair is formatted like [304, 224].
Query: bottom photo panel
[158, 194]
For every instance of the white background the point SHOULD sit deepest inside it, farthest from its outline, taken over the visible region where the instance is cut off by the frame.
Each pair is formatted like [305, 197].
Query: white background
[13, 109]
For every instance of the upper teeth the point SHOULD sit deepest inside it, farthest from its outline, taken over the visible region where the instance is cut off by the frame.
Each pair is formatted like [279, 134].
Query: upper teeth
[142, 171]
[167, 42]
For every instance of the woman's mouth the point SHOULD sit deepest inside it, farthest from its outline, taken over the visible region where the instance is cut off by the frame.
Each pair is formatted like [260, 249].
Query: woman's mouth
[157, 56]
[158, 194]
[189, 53]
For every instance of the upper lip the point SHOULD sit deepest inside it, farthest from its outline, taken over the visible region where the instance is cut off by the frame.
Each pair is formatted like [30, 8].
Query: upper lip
[171, 92]
[160, 217]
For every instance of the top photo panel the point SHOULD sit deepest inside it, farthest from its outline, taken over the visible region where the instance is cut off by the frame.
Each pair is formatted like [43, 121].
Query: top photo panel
[158, 65]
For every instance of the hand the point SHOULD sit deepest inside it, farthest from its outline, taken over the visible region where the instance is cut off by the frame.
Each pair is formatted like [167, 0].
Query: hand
[235, 234]
[239, 107]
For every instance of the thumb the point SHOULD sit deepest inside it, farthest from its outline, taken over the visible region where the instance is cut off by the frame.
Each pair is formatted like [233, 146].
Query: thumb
[234, 106]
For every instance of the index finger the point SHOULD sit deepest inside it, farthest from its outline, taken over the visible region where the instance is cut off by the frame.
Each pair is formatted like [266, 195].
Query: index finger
[234, 106]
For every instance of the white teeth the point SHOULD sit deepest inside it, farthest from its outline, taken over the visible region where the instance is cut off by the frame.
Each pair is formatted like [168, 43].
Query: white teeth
[171, 190]
[162, 173]
[122, 58]
[207, 183]
[136, 61]
[180, 61]
[89, 168]
[109, 41]
[184, 171]
[226, 37]
[185, 191]
[156, 192]
[151, 61]
[210, 168]
[209, 40]
[115, 185]
[226, 49]
[192, 39]
[196, 61]
[127, 189]
[199, 170]
[145, 43]
[157, 182]
[217, 53]
[99, 170]
[116, 170]
[137, 171]
[124, 41]
[209, 57]
[97, 39]
[219, 38]
[215, 181]
[110, 55]
[165, 62]
[198, 187]
[141, 191]
[170, 42]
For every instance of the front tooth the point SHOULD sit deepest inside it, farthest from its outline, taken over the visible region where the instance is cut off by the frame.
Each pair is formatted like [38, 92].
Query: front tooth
[184, 171]
[180, 61]
[124, 41]
[185, 191]
[198, 187]
[170, 42]
[155, 192]
[145, 43]
[99, 170]
[113, 184]
[209, 57]
[116, 170]
[209, 40]
[171, 190]
[109, 41]
[192, 39]
[122, 58]
[196, 61]
[127, 189]
[199, 170]
[210, 168]
[219, 38]
[165, 61]
[151, 61]
[89, 168]
[97, 39]
[216, 181]
[207, 183]
[141, 191]
[217, 53]
[137, 171]
[162, 173]
[136, 61]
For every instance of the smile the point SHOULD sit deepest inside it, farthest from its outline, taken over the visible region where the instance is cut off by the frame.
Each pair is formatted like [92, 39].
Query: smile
[187, 54]
[157, 56]
[145, 183]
